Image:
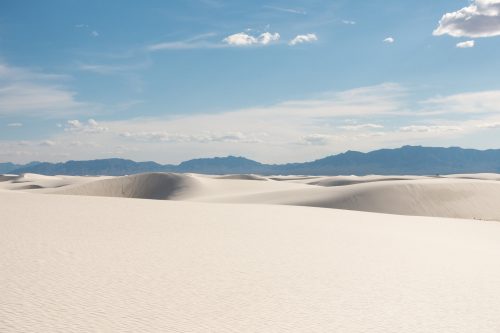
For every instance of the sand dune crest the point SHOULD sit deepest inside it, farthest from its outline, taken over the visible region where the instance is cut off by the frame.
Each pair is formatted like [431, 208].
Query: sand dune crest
[160, 186]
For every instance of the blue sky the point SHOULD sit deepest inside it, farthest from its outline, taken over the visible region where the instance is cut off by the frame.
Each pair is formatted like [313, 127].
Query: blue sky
[276, 81]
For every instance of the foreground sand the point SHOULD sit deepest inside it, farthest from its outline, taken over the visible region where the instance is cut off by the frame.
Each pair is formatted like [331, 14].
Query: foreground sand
[99, 264]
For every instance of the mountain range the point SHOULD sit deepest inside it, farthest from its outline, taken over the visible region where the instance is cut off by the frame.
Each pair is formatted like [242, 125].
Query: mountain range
[408, 160]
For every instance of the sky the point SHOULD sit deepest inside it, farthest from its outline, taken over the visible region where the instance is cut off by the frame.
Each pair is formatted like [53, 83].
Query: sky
[275, 81]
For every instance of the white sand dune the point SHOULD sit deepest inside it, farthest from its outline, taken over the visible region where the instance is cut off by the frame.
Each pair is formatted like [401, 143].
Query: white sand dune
[462, 196]
[143, 186]
[242, 177]
[454, 198]
[97, 264]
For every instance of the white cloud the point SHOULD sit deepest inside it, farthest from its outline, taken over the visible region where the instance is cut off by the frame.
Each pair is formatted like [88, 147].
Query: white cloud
[480, 19]
[94, 33]
[430, 128]
[196, 42]
[489, 125]
[91, 126]
[360, 127]
[315, 139]
[240, 39]
[349, 22]
[110, 69]
[475, 102]
[244, 39]
[15, 125]
[287, 10]
[389, 40]
[29, 92]
[47, 143]
[299, 39]
[466, 44]
[206, 137]
[296, 130]
[268, 37]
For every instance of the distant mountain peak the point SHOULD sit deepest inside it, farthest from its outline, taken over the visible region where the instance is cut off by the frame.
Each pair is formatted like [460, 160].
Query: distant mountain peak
[417, 160]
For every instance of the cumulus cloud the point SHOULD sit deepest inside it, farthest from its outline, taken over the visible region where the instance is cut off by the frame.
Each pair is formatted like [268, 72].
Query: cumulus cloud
[466, 44]
[91, 126]
[480, 19]
[244, 39]
[389, 40]
[299, 39]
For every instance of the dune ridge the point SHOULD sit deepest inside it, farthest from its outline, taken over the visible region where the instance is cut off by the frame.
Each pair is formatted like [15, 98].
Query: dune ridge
[159, 186]
[460, 196]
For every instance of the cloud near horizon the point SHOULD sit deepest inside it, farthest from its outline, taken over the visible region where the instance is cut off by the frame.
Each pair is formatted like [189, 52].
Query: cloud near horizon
[288, 131]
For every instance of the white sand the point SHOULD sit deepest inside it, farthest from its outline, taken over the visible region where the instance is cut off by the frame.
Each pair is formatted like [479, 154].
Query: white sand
[99, 264]
[461, 196]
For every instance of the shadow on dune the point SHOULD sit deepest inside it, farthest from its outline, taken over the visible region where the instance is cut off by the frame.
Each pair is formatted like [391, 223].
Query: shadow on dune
[159, 186]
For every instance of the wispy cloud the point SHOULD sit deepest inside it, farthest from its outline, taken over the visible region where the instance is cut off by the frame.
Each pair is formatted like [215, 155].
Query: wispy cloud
[361, 127]
[465, 103]
[14, 125]
[389, 40]
[110, 69]
[349, 22]
[287, 10]
[315, 139]
[489, 125]
[31, 93]
[25, 98]
[197, 42]
[205, 137]
[430, 128]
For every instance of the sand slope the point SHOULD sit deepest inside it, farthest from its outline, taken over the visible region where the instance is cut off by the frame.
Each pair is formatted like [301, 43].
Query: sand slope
[96, 264]
[455, 198]
[144, 186]
[461, 196]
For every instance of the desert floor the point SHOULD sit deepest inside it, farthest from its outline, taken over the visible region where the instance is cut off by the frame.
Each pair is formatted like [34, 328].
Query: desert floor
[244, 253]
